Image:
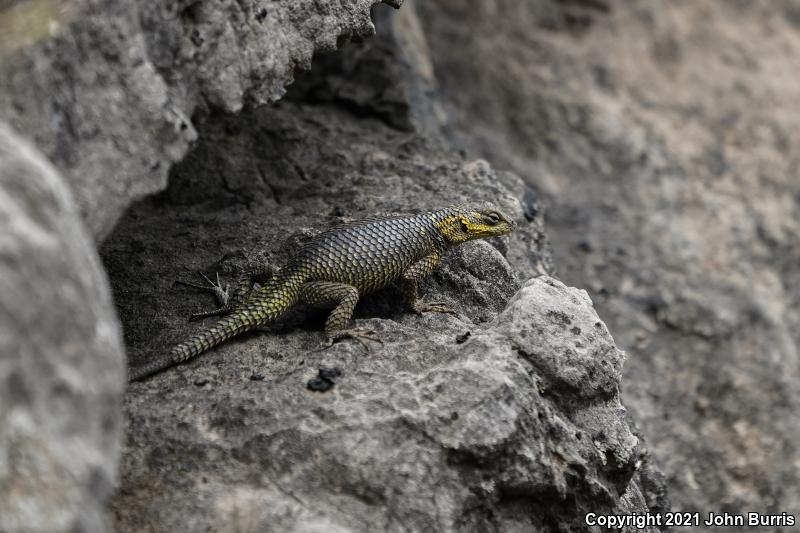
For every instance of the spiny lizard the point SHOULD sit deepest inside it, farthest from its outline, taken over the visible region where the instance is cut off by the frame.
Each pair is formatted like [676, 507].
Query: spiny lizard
[338, 267]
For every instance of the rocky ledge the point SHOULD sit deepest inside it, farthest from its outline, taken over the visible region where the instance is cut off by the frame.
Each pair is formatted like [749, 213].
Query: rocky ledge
[505, 417]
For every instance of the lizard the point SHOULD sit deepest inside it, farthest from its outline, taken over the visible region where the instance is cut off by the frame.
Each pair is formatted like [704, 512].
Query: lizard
[335, 269]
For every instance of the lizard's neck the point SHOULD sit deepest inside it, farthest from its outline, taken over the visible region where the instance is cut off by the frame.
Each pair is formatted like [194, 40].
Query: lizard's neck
[447, 229]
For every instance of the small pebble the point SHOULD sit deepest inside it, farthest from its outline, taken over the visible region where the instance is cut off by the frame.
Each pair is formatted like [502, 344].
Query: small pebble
[330, 373]
[319, 384]
[324, 380]
[585, 245]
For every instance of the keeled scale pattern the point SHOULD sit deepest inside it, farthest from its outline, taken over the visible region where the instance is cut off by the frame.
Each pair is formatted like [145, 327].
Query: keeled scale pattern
[367, 255]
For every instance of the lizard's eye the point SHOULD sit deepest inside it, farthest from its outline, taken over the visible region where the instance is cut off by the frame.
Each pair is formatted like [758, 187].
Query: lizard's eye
[493, 218]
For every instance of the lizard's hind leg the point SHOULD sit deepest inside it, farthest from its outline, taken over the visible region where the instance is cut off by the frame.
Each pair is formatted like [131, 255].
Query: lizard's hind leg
[227, 301]
[343, 299]
[222, 295]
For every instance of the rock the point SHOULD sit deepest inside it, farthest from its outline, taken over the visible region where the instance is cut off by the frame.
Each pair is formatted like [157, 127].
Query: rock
[153, 65]
[61, 359]
[642, 137]
[388, 77]
[516, 425]
[509, 428]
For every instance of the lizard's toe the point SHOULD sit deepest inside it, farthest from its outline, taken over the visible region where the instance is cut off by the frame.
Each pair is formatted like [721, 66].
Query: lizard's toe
[433, 307]
[205, 314]
[325, 344]
[357, 334]
[185, 283]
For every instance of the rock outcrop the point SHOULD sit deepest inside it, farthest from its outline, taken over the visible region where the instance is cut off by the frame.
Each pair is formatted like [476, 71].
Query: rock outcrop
[664, 138]
[107, 89]
[506, 417]
[660, 137]
[61, 358]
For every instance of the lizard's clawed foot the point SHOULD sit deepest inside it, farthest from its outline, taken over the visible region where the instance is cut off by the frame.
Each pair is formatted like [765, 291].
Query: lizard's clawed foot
[222, 294]
[354, 333]
[433, 307]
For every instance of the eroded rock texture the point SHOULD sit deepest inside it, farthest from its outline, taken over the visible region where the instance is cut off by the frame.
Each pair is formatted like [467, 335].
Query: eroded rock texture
[107, 89]
[665, 138]
[661, 135]
[506, 417]
[61, 359]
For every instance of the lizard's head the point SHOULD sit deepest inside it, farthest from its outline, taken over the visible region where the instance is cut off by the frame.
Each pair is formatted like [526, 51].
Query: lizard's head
[465, 223]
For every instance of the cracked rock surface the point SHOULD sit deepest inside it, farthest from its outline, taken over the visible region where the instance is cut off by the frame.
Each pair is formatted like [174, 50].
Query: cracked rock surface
[661, 136]
[664, 138]
[506, 417]
[107, 88]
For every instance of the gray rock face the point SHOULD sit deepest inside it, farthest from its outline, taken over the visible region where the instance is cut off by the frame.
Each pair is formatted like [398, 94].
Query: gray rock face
[422, 434]
[61, 359]
[662, 136]
[504, 418]
[108, 98]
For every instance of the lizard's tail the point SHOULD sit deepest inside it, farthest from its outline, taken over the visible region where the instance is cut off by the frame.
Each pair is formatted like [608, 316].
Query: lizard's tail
[226, 328]
[141, 372]
[265, 306]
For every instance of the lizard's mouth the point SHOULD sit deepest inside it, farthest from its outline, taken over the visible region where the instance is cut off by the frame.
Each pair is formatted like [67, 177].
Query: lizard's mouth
[484, 231]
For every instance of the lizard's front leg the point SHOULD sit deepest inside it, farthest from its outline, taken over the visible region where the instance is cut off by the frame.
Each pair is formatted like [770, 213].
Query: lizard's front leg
[343, 299]
[411, 277]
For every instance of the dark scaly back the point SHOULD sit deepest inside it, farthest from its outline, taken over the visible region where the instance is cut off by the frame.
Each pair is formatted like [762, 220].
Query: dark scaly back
[371, 253]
